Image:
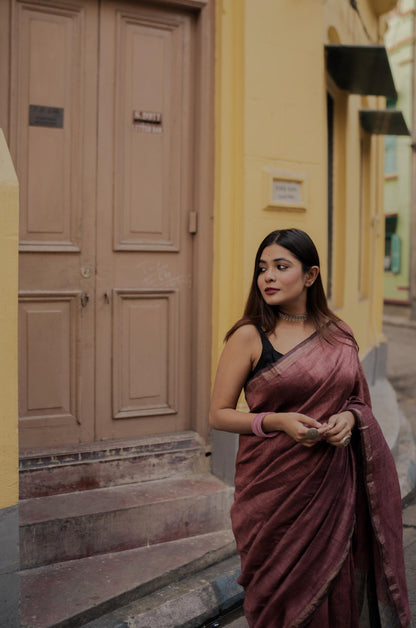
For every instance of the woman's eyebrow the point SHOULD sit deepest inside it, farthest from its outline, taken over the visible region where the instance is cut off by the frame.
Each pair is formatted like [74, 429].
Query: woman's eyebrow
[278, 259]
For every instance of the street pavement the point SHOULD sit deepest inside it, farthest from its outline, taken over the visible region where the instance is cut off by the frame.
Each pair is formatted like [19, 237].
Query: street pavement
[401, 361]
[400, 334]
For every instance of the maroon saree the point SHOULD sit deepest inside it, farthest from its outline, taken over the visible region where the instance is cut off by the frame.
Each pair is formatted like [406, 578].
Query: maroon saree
[319, 529]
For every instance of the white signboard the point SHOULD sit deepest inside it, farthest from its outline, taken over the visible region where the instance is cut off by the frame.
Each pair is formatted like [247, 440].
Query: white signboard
[287, 191]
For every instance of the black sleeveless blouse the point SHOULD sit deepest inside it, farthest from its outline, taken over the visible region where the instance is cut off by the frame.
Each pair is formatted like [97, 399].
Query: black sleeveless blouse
[268, 356]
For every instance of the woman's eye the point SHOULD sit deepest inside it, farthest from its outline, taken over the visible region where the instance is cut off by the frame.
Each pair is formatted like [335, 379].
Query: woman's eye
[282, 267]
[262, 270]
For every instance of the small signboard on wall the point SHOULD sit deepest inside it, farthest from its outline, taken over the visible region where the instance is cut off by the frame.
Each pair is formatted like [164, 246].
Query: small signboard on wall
[52, 117]
[287, 191]
[147, 121]
[284, 190]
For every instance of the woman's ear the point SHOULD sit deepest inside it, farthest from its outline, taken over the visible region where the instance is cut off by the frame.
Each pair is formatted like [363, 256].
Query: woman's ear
[311, 275]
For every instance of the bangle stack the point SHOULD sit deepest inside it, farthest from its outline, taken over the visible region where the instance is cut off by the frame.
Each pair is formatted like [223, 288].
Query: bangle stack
[257, 426]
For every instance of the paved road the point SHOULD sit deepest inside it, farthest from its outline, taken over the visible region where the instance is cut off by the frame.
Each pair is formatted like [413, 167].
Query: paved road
[401, 371]
[401, 364]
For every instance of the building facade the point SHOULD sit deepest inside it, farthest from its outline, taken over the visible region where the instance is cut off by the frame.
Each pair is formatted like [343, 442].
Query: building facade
[156, 144]
[399, 40]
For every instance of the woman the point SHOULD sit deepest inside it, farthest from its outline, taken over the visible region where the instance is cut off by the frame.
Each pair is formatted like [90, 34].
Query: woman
[317, 511]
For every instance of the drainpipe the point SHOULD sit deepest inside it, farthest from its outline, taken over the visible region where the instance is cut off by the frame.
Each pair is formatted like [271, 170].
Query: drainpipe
[412, 274]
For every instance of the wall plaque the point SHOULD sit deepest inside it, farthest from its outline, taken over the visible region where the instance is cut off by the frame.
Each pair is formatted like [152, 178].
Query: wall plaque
[147, 121]
[40, 115]
[287, 191]
[284, 190]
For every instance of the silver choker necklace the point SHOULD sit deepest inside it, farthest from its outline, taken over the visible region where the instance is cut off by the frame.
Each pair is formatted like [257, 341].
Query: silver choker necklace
[293, 318]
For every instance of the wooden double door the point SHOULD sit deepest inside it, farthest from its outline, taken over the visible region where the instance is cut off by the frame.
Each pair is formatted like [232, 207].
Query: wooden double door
[101, 130]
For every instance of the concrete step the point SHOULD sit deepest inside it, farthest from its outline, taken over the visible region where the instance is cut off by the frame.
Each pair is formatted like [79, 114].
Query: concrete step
[202, 599]
[76, 592]
[109, 463]
[64, 527]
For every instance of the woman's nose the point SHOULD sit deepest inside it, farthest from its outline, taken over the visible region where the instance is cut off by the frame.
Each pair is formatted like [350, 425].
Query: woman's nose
[269, 274]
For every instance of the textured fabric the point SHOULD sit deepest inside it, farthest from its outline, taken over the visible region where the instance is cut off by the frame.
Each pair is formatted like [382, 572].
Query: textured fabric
[306, 519]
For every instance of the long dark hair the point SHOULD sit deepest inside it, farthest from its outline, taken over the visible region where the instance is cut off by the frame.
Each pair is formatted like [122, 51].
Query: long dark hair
[258, 312]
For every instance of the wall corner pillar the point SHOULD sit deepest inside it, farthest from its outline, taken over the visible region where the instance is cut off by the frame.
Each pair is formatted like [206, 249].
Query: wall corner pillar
[9, 457]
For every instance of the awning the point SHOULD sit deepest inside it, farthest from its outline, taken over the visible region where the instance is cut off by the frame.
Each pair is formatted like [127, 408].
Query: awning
[383, 122]
[361, 69]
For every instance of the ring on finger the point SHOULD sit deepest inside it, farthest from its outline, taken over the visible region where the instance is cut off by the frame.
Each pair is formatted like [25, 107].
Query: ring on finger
[346, 440]
[312, 433]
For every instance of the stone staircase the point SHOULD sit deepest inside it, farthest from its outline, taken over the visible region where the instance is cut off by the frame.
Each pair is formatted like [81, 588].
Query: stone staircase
[107, 524]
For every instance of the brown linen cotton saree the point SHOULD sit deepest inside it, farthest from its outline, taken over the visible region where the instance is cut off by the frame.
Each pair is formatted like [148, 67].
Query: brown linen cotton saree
[318, 529]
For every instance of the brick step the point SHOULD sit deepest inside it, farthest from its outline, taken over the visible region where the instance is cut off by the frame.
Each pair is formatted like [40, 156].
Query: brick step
[75, 592]
[109, 463]
[68, 526]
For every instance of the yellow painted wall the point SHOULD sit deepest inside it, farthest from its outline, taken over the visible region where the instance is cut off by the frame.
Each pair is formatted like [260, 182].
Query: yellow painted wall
[9, 212]
[343, 25]
[271, 85]
[228, 276]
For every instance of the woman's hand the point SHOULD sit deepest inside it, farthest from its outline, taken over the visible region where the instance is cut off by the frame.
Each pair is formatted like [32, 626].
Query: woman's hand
[302, 428]
[340, 428]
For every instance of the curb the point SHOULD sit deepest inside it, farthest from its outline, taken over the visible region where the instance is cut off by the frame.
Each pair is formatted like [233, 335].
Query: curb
[398, 321]
[406, 461]
[187, 603]
[398, 434]
[386, 410]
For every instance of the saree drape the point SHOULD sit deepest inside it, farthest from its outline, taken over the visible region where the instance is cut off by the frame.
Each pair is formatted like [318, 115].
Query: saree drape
[319, 529]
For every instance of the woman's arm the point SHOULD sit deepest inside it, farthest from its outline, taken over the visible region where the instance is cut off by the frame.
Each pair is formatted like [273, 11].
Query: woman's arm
[241, 351]
[238, 357]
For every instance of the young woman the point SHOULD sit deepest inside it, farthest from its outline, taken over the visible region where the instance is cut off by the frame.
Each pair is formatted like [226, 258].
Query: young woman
[317, 511]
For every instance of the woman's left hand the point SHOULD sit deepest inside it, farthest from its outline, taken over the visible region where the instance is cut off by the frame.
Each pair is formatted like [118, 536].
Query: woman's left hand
[341, 428]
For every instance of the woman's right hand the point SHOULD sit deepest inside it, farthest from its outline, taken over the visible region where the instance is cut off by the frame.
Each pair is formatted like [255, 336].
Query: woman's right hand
[295, 425]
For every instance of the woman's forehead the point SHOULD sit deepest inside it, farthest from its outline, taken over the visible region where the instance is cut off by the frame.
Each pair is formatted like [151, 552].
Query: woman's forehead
[275, 252]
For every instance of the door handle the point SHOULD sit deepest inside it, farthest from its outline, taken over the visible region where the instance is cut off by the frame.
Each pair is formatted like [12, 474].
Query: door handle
[84, 299]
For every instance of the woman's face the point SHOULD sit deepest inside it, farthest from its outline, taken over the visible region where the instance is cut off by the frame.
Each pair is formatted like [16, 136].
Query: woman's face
[281, 279]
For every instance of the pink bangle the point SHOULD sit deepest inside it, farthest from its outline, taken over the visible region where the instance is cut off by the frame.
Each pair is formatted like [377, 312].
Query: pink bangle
[257, 426]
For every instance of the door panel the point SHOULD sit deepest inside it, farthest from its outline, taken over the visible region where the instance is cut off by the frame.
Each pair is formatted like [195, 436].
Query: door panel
[48, 356]
[149, 60]
[48, 71]
[145, 353]
[52, 140]
[144, 250]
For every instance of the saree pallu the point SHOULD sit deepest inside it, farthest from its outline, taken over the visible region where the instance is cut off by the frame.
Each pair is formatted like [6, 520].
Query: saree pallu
[319, 529]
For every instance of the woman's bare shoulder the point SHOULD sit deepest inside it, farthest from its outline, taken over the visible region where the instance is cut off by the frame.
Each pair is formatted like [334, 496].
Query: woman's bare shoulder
[245, 334]
[244, 345]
